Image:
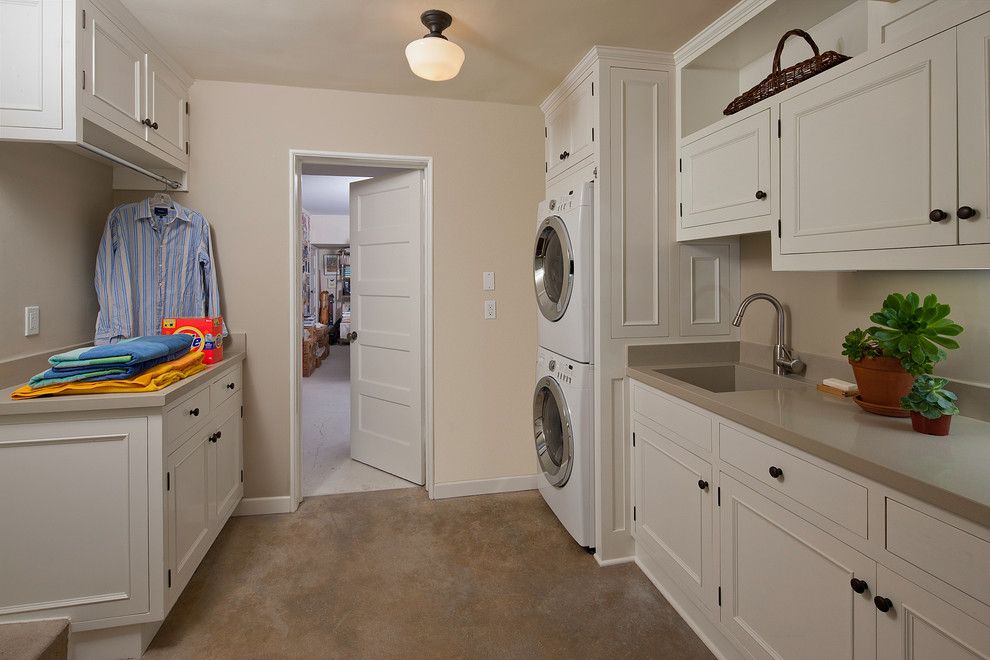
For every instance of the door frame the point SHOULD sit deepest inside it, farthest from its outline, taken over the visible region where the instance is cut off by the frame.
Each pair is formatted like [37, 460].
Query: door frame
[297, 158]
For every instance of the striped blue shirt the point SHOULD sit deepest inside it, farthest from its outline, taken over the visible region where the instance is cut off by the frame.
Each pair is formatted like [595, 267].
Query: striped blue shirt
[153, 263]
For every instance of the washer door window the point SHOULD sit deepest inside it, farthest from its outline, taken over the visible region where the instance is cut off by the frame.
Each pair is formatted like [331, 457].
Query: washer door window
[553, 267]
[553, 431]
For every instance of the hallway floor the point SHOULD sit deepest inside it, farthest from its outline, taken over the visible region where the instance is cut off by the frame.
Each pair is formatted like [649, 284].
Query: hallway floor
[326, 451]
[392, 574]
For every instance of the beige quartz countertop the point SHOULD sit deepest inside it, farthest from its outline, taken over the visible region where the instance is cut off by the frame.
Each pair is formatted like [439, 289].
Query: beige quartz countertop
[951, 473]
[96, 402]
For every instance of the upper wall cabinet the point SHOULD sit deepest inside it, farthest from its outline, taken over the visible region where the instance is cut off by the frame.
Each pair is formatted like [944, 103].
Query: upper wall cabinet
[570, 128]
[973, 39]
[86, 72]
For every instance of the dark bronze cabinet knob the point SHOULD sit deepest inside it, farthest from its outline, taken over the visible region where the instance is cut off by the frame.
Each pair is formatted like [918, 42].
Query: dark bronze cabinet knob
[776, 472]
[883, 604]
[859, 586]
[702, 484]
[938, 215]
[564, 154]
[230, 386]
[965, 212]
[760, 194]
[212, 438]
[194, 412]
[150, 124]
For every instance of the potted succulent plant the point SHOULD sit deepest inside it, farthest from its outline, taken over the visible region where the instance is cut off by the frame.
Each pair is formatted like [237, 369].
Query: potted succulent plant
[931, 405]
[909, 338]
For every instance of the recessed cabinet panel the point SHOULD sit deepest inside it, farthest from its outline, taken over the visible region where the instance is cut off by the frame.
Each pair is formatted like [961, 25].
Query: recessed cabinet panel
[921, 626]
[786, 584]
[227, 467]
[725, 176]
[673, 513]
[974, 130]
[30, 64]
[639, 107]
[114, 79]
[166, 103]
[705, 289]
[866, 157]
[570, 129]
[189, 509]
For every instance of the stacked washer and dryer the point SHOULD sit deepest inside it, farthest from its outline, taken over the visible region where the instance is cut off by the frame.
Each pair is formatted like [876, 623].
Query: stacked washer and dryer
[563, 403]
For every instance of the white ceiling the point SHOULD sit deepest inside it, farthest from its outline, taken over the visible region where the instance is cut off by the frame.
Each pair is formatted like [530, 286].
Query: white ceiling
[327, 195]
[516, 50]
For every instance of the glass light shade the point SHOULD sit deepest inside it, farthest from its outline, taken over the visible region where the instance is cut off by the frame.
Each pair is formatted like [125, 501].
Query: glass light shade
[434, 58]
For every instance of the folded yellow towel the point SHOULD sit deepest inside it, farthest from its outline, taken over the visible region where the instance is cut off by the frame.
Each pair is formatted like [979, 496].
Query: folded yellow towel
[153, 379]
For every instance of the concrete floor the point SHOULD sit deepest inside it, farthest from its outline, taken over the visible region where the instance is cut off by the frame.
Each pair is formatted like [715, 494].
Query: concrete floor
[391, 574]
[326, 452]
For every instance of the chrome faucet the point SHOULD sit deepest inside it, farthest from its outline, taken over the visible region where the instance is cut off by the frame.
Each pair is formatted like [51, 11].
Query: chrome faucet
[784, 360]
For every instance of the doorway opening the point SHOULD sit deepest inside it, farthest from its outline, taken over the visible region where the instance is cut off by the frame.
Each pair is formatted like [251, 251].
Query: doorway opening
[361, 309]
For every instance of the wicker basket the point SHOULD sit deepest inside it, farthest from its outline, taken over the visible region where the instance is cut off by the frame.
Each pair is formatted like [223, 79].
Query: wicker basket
[780, 79]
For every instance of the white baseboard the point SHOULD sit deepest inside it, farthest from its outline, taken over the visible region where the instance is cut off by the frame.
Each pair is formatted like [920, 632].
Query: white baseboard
[484, 486]
[260, 506]
[615, 561]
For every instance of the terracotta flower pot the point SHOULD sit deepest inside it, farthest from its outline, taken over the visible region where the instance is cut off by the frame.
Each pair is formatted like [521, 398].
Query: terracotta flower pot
[882, 381]
[922, 424]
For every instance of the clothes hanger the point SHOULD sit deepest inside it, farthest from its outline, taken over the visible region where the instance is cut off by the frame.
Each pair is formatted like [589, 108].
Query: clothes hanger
[161, 199]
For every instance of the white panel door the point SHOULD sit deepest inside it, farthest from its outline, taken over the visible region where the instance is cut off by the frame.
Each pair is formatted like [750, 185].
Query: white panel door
[673, 499]
[725, 176]
[114, 65]
[705, 288]
[30, 64]
[74, 512]
[865, 158]
[974, 130]
[227, 466]
[786, 589]
[166, 103]
[570, 128]
[386, 322]
[640, 131]
[188, 515]
[920, 626]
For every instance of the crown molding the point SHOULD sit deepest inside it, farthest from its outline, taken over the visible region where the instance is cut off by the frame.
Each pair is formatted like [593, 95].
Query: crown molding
[740, 13]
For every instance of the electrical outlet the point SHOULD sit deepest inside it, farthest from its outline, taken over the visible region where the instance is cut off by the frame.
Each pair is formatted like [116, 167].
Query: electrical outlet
[488, 281]
[32, 321]
[489, 309]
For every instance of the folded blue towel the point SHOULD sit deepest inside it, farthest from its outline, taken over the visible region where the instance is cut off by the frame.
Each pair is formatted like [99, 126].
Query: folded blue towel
[123, 353]
[99, 372]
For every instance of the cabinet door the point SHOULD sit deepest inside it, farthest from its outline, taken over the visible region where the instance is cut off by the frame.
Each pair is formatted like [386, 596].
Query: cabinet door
[974, 129]
[188, 510]
[166, 103]
[866, 157]
[786, 584]
[725, 176]
[227, 484]
[30, 64]
[920, 626]
[114, 65]
[673, 511]
[571, 128]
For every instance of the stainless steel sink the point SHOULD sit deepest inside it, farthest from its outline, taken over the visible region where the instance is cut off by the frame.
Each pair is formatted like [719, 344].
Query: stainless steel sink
[731, 378]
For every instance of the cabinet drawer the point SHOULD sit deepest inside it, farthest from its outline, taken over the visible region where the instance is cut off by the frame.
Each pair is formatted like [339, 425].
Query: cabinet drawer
[191, 412]
[947, 552]
[690, 425]
[838, 499]
[225, 386]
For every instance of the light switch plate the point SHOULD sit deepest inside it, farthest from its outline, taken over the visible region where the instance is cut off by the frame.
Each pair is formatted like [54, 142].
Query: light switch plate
[32, 321]
[488, 281]
[489, 309]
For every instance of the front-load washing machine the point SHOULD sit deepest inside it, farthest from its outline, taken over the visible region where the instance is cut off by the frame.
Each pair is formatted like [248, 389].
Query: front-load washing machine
[563, 426]
[563, 273]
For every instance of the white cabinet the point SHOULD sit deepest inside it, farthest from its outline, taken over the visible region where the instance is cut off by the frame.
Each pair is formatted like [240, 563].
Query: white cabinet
[167, 103]
[113, 69]
[725, 182]
[974, 130]
[919, 625]
[865, 158]
[570, 128]
[31, 59]
[786, 584]
[228, 473]
[188, 504]
[677, 535]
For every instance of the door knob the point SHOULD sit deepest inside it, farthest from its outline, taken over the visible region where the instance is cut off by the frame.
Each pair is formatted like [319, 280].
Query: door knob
[938, 215]
[230, 386]
[194, 412]
[966, 212]
[859, 586]
[150, 124]
[563, 155]
[776, 472]
[760, 194]
[213, 438]
[351, 336]
[702, 484]
[883, 604]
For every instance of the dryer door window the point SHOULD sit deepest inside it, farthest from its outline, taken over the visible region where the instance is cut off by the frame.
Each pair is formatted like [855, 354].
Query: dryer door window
[553, 431]
[553, 268]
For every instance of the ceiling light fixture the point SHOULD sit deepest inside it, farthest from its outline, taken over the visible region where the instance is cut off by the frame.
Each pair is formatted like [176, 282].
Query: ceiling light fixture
[434, 57]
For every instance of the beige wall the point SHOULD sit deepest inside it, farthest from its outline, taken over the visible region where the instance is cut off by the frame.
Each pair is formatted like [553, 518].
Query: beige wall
[487, 183]
[53, 205]
[824, 306]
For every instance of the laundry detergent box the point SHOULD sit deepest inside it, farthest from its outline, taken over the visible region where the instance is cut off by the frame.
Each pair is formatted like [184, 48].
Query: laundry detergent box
[207, 334]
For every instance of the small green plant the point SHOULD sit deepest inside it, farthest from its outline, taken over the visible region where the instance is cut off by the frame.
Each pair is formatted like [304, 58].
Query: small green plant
[929, 397]
[915, 332]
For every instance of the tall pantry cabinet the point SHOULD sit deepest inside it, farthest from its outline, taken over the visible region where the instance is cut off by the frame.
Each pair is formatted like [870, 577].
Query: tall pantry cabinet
[611, 121]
